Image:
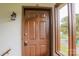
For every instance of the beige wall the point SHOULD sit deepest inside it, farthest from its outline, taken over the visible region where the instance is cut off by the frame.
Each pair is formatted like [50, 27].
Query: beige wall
[10, 31]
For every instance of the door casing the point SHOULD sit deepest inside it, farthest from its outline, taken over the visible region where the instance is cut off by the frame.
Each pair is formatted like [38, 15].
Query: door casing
[50, 25]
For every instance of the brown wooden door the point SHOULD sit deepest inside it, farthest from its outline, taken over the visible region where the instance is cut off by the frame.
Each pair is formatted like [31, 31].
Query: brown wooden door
[36, 33]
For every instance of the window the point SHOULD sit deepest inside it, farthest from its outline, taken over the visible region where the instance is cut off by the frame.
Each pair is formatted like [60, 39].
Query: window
[62, 29]
[63, 12]
[77, 28]
[65, 33]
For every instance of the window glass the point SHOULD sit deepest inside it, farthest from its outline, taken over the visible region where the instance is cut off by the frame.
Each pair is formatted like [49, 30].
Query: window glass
[77, 27]
[63, 16]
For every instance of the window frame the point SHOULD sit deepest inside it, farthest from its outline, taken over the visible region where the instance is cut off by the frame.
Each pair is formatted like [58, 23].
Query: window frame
[71, 29]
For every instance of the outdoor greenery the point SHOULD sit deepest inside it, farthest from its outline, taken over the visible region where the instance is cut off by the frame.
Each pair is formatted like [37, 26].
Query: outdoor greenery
[64, 35]
[77, 26]
[64, 30]
[64, 26]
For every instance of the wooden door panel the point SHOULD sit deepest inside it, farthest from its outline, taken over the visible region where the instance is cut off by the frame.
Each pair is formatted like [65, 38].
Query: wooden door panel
[27, 52]
[31, 30]
[44, 50]
[30, 50]
[42, 30]
[33, 50]
[36, 33]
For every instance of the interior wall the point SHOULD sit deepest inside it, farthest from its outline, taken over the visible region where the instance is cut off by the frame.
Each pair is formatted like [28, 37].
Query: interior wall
[10, 31]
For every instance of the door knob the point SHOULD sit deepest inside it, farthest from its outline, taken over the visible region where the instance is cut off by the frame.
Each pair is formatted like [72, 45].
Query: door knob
[25, 34]
[25, 43]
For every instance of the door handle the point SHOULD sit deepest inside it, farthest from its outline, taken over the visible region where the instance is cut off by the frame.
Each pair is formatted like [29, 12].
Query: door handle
[25, 43]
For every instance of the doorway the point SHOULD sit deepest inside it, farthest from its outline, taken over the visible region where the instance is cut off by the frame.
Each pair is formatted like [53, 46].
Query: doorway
[36, 31]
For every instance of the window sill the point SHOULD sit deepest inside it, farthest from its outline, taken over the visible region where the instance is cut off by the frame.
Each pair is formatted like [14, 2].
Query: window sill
[59, 54]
